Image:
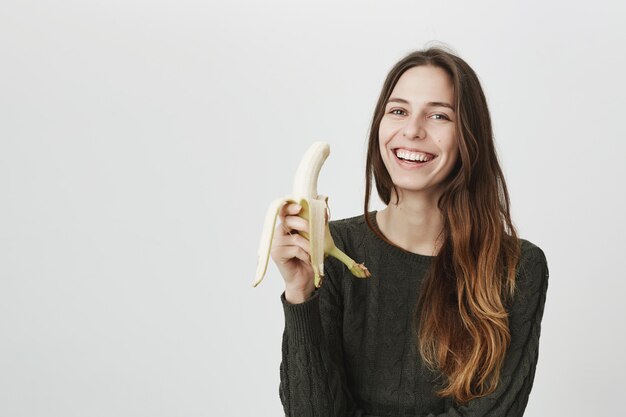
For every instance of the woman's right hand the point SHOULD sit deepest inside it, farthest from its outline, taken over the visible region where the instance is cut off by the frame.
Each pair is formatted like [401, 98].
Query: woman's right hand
[291, 253]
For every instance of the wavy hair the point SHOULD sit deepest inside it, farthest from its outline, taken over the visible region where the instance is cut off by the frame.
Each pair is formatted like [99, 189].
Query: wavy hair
[461, 319]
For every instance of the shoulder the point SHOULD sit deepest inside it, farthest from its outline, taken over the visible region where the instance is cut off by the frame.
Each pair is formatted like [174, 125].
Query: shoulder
[532, 273]
[529, 247]
[533, 260]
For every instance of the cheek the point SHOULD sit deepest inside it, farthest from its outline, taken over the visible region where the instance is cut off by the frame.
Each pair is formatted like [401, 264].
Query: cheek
[382, 148]
[448, 141]
[453, 151]
[385, 131]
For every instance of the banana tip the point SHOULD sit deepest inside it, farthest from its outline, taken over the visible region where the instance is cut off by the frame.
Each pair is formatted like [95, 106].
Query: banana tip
[360, 271]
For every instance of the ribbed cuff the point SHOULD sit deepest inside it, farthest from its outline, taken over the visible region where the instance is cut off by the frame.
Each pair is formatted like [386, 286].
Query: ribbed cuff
[302, 321]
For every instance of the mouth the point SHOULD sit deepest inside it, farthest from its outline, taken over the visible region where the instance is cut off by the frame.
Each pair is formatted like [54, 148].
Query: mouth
[413, 159]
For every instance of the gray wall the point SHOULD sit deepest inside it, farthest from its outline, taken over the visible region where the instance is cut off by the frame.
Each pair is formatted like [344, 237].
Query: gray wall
[141, 142]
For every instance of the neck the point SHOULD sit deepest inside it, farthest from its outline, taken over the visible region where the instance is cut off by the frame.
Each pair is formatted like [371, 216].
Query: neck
[414, 224]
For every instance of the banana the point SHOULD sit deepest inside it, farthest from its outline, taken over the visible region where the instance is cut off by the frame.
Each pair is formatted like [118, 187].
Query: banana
[314, 210]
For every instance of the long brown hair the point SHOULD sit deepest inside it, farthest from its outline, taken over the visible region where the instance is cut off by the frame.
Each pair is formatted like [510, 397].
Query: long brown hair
[461, 319]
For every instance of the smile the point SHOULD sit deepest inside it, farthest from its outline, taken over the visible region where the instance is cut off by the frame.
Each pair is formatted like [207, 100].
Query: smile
[412, 160]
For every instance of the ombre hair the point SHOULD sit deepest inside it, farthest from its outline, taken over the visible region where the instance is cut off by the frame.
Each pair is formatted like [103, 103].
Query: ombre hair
[461, 320]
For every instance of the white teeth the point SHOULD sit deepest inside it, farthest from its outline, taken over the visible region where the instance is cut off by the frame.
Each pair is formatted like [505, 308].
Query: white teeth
[412, 156]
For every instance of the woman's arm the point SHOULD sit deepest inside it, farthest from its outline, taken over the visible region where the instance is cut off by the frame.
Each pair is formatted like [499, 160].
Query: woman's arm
[518, 373]
[312, 374]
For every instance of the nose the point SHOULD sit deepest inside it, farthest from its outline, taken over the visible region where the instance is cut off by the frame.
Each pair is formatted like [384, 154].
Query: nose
[414, 129]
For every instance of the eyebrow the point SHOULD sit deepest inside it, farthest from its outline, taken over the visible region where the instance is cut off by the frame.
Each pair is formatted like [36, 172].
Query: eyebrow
[430, 103]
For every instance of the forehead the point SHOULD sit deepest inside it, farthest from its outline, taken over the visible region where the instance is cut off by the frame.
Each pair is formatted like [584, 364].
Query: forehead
[424, 83]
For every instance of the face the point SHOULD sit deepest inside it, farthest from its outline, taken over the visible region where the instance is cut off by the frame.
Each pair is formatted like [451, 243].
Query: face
[419, 121]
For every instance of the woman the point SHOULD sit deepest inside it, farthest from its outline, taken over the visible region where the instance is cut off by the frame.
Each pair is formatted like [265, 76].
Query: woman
[449, 322]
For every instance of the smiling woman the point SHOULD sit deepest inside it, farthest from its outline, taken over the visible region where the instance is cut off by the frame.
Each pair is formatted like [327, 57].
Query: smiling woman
[448, 324]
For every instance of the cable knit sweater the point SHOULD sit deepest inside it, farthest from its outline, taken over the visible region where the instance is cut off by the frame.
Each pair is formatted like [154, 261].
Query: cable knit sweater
[350, 349]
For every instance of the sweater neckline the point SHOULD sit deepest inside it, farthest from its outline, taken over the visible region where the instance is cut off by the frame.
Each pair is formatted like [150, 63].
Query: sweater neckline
[404, 254]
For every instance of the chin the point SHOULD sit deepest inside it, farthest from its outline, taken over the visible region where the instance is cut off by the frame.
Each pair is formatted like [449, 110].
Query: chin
[411, 187]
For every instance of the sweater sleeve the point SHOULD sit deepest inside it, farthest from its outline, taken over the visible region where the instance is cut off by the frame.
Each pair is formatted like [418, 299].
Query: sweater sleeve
[312, 373]
[518, 373]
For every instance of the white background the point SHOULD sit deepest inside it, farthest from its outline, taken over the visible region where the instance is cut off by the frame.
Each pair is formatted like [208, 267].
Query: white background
[141, 142]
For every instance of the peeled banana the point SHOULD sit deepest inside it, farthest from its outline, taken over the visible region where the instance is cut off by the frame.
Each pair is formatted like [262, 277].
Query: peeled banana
[314, 210]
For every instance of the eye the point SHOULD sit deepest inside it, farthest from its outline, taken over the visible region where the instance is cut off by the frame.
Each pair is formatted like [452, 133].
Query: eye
[441, 116]
[395, 110]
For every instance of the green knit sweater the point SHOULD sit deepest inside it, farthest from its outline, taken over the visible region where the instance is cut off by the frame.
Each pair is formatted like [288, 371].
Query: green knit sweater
[350, 349]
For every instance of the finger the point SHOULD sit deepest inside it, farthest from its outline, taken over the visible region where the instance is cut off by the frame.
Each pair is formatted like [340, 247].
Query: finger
[294, 208]
[286, 209]
[292, 240]
[282, 229]
[296, 223]
[286, 253]
[287, 230]
[290, 209]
